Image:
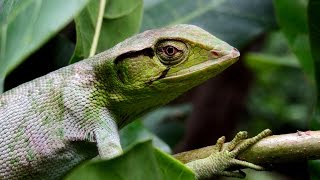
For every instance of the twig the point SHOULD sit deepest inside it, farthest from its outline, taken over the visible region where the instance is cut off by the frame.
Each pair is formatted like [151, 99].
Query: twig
[298, 146]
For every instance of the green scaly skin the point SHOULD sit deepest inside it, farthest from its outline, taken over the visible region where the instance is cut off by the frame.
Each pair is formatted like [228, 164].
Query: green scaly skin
[53, 123]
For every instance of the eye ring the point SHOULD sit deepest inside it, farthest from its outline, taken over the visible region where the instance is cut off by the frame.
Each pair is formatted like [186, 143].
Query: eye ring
[171, 52]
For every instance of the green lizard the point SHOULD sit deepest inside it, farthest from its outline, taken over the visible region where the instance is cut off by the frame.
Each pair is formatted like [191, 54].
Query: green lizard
[53, 123]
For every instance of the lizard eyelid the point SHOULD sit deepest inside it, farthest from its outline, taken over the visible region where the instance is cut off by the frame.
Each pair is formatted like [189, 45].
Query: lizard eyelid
[146, 52]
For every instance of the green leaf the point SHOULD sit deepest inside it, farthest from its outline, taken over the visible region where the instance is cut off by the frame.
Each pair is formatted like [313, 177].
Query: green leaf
[135, 132]
[235, 21]
[117, 25]
[314, 36]
[118, 8]
[262, 58]
[140, 162]
[292, 18]
[25, 25]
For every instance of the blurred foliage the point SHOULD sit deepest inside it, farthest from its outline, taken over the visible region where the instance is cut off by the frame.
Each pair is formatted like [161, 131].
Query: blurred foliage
[286, 68]
[168, 122]
[314, 36]
[292, 18]
[235, 21]
[276, 100]
[25, 25]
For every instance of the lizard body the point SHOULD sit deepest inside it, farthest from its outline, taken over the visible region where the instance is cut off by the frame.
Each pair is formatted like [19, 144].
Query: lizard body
[53, 123]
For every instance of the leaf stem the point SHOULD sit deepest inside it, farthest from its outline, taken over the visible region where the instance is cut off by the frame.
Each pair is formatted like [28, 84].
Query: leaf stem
[98, 28]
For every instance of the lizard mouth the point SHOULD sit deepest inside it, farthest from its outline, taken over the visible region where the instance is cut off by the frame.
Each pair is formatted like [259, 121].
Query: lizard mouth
[214, 65]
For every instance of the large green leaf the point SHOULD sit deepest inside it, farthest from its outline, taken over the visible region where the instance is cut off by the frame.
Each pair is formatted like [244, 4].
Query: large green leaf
[235, 21]
[141, 162]
[118, 8]
[25, 25]
[292, 18]
[135, 132]
[121, 20]
[314, 37]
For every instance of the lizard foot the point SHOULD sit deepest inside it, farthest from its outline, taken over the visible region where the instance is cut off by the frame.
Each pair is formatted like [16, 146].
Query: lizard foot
[219, 163]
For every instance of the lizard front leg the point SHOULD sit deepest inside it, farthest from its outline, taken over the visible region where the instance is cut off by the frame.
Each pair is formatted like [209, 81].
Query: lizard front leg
[108, 140]
[217, 164]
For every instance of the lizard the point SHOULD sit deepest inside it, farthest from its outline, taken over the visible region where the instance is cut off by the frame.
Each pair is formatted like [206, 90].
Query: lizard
[54, 122]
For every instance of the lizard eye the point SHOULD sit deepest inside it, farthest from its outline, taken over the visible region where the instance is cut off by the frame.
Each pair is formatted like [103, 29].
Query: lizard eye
[171, 52]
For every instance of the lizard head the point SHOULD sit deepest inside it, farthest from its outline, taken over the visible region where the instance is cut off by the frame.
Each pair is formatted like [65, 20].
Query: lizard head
[178, 57]
[158, 65]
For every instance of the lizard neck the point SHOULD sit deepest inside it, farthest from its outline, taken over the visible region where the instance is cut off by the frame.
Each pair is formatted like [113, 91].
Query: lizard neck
[125, 102]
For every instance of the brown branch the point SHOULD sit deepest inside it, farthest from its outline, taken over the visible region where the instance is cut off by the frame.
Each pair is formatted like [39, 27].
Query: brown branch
[298, 146]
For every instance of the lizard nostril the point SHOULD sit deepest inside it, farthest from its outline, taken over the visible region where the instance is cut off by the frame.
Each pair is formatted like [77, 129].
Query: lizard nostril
[215, 53]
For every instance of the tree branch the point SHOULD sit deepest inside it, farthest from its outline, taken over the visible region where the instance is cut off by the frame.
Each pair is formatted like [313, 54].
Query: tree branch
[297, 146]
